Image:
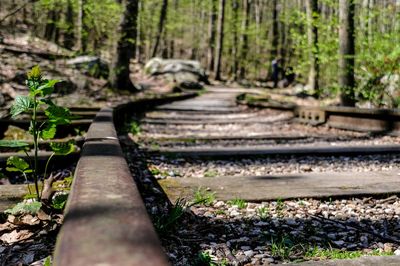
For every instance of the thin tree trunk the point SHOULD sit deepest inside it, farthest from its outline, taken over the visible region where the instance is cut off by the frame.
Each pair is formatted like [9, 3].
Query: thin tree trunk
[161, 23]
[220, 40]
[312, 32]
[119, 76]
[274, 35]
[78, 26]
[235, 39]
[211, 34]
[244, 38]
[346, 51]
[69, 34]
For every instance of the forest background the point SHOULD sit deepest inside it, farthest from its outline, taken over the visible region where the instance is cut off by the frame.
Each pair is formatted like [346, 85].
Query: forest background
[233, 39]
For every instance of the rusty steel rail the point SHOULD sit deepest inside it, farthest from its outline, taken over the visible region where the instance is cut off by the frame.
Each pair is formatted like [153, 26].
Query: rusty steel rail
[106, 222]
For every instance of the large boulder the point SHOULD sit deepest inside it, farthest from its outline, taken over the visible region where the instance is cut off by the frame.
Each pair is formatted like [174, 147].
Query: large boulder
[179, 71]
[90, 65]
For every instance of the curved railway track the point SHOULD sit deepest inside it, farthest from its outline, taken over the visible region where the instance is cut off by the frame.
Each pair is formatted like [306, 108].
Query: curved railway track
[234, 152]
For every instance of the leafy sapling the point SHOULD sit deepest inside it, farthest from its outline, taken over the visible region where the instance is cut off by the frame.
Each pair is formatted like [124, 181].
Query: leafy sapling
[39, 98]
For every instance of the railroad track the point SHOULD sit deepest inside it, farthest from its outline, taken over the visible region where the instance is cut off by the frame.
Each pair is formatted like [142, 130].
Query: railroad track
[105, 210]
[258, 156]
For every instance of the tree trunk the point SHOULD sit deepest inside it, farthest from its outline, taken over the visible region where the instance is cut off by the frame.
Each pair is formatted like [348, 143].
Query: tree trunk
[244, 38]
[346, 51]
[274, 35]
[78, 26]
[220, 40]
[235, 39]
[69, 34]
[119, 74]
[312, 34]
[274, 32]
[211, 34]
[161, 23]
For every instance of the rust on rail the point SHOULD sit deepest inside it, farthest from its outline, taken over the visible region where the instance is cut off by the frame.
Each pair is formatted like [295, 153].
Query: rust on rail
[105, 220]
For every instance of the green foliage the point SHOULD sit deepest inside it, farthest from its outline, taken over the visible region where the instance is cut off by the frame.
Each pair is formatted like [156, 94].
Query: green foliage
[202, 196]
[210, 173]
[59, 201]
[17, 164]
[240, 203]
[13, 144]
[47, 261]
[25, 208]
[330, 253]
[22, 104]
[262, 212]
[134, 128]
[63, 148]
[167, 222]
[203, 259]
[282, 247]
[39, 97]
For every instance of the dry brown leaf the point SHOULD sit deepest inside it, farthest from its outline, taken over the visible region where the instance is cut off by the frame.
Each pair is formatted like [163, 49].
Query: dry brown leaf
[16, 236]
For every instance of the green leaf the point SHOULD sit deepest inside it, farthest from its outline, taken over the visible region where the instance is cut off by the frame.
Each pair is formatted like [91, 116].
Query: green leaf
[58, 115]
[63, 148]
[25, 208]
[48, 87]
[47, 261]
[49, 132]
[19, 164]
[59, 201]
[21, 104]
[13, 143]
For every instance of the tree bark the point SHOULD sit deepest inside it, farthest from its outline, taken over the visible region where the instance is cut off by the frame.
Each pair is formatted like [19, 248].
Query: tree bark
[244, 38]
[161, 23]
[69, 34]
[346, 51]
[235, 39]
[211, 34]
[78, 26]
[274, 32]
[312, 33]
[119, 74]
[220, 40]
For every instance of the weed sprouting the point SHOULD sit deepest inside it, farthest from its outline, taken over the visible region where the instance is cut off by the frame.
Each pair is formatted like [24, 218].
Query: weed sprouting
[167, 222]
[210, 173]
[203, 196]
[262, 212]
[134, 128]
[204, 259]
[240, 203]
[39, 98]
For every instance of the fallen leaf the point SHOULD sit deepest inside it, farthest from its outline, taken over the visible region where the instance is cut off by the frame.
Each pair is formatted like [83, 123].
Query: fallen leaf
[16, 236]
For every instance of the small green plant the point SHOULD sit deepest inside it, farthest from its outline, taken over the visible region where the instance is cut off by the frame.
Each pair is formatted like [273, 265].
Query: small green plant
[204, 259]
[280, 205]
[262, 212]
[166, 223]
[238, 202]
[330, 253]
[47, 261]
[220, 212]
[25, 208]
[202, 196]
[282, 248]
[59, 201]
[39, 98]
[210, 173]
[134, 128]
